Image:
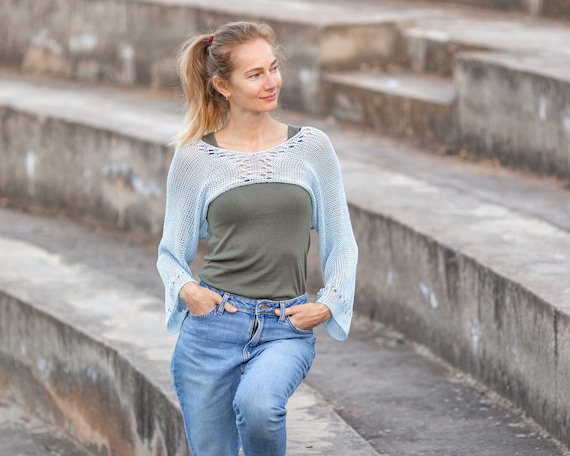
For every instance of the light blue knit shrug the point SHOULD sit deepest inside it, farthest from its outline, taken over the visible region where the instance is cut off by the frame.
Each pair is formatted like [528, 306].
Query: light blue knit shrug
[201, 172]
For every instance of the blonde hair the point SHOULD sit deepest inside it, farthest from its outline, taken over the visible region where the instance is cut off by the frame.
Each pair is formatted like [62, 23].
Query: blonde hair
[200, 59]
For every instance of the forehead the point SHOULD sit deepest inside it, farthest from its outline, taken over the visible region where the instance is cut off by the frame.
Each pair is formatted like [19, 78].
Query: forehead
[253, 54]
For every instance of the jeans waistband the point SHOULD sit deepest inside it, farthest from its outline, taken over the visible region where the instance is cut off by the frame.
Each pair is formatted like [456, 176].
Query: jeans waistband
[252, 304]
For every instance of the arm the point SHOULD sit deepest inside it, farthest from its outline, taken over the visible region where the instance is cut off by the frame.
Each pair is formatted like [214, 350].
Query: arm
[183, 227]
[337, 246]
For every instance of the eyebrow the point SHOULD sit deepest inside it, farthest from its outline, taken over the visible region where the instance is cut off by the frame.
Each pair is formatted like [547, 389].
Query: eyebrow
[259, 68]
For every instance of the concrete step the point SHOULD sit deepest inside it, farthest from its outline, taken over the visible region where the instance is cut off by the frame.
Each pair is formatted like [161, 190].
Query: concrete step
[557, 9]
[133, 43]
[511, 94]
[509, 74]
[465, 258]
[397, 390]
[516, 108]
[24, 434]
[432, 41]
[75, 127]
[397, 104]
[87, 352]
[433, 51]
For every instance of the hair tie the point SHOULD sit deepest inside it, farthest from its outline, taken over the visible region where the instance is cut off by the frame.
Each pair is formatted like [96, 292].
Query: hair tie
[210, 40]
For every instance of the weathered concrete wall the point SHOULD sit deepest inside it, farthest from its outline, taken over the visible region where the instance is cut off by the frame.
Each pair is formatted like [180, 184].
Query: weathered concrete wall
[431, 53]
[516, 108]
[55, 163]
[559, 9]
[521, 5]
[87, 349]
[134, 42]
[463, 294]
[120, 41]
[83, 386]
[389, 112]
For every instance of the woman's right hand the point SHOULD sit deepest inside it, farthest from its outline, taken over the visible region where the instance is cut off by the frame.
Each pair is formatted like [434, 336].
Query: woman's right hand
[201, 300]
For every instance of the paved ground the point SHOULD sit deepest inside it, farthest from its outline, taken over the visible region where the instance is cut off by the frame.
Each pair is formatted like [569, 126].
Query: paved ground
[397, 396]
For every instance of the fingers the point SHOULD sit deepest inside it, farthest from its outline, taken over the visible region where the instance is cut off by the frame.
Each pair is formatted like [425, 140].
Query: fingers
[230, 308]
[217, 300]
[200, 300]
[288, 311]
[307, 316]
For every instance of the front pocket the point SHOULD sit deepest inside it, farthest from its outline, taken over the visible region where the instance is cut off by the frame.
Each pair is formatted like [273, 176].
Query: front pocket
[204, 315]
[292, 325]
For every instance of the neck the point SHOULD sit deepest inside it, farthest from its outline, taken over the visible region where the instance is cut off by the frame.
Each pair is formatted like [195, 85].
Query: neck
[251, 133]
[249, 127]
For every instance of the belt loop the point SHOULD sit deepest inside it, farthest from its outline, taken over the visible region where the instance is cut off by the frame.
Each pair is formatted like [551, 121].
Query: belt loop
[225, 298]
[282, 307]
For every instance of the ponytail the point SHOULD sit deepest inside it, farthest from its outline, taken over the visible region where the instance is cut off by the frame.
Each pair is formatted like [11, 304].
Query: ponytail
[206, 110]
[200, 59]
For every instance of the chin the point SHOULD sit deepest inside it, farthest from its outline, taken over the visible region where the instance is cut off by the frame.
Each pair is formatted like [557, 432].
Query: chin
[270, 107]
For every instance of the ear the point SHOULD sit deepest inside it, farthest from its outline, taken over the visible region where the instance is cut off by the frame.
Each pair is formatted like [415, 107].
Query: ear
[221, 86]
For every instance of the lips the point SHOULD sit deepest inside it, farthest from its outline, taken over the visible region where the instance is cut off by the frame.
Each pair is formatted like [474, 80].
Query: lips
[271, 97]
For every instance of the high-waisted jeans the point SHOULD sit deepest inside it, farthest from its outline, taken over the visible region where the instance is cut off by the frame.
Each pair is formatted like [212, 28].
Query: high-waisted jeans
[234, 373]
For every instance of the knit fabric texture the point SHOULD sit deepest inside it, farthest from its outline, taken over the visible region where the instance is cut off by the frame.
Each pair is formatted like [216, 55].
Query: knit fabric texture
[200, 172]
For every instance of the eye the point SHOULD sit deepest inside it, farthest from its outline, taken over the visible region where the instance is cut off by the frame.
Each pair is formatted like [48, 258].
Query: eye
[275, 69]
[253, 76]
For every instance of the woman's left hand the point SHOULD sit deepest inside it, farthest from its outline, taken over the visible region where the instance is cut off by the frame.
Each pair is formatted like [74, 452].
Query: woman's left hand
[307, 316]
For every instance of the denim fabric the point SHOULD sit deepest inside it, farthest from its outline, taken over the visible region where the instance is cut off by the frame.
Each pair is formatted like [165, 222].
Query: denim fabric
[234, 373]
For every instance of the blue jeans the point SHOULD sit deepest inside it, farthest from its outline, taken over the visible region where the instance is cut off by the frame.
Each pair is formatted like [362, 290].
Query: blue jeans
[234, 373]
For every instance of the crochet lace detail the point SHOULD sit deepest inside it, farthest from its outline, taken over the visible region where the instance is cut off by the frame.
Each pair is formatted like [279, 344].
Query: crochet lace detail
[260, 165]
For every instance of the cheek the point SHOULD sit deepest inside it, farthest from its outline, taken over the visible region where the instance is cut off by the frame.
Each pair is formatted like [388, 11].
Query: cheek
[249, 90]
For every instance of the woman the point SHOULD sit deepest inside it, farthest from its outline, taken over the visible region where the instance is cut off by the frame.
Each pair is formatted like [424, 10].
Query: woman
[255, 187]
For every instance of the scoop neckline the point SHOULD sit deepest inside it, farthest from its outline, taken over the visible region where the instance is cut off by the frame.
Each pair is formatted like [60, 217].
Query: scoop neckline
[254, 153]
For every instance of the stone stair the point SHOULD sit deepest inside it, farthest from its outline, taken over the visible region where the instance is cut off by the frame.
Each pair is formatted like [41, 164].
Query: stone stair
[558, 9]
[470, 81]
[353, 63]
[85, 350]
[406, 105]
[60, 334]
[458, 253]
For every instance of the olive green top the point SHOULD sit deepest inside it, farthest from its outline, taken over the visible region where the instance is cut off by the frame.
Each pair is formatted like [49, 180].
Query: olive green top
[259, 239]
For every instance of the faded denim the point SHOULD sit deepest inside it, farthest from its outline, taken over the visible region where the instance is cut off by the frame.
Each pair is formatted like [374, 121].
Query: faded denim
[234, 373]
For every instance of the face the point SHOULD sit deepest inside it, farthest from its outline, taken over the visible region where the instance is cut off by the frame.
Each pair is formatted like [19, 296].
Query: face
[255, 82]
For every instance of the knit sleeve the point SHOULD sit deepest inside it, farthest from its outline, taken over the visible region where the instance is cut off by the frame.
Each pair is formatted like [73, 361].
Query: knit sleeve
[337, 245]
[183, 227]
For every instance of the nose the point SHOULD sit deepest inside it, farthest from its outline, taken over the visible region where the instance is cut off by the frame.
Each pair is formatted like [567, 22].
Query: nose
[271, 81]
